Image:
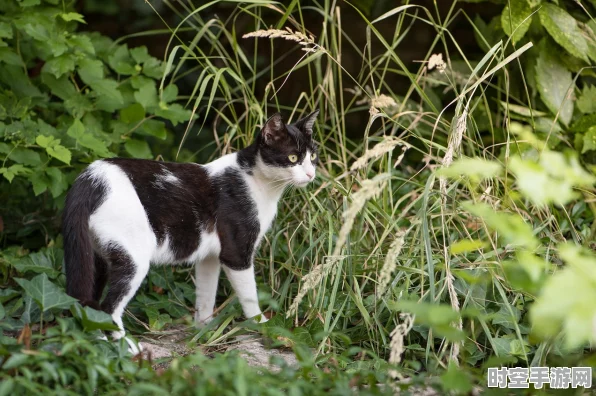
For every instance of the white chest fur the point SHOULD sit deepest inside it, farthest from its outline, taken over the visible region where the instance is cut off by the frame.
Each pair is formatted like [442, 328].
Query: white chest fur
[265, 200]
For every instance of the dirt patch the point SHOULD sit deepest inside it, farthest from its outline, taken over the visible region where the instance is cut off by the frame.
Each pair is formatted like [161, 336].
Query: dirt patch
[172, 343]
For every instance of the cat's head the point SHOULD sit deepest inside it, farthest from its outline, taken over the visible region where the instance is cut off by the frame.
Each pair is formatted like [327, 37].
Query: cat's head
[287, 152]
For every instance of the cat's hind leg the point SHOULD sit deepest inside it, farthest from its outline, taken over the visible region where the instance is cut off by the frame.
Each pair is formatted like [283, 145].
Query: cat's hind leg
[206, 280]
[125, 277]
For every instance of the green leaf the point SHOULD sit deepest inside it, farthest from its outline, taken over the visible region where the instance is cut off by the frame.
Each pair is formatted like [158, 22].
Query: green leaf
[132, 114]
[147, 95]
[174, 112]
[455, 379]
[430, 314]
[510, 226]
[92, 319]
[58, 183]
[140, 54]
[73, 16]
[81, 42]
[551, 179]
[25, 156]
[60, 152]
[77, 131]
[554, 82]
[474, 168]
[38, 262]
[12, 171]
[586, 103]
[60, 65]
[466, 245]
[138, 148]
[90, 70]
[566, 302]
[564, 30]
[121, 62]
[170, 93]
[589, 140]
[40, 182]
[45, 293]
[153, 128]
[5, 30]
[109, 89]
[153, 68]
[61, 87]
[515, 20]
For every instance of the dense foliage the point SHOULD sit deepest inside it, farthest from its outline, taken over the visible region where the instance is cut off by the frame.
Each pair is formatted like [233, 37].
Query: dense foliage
[458, 228]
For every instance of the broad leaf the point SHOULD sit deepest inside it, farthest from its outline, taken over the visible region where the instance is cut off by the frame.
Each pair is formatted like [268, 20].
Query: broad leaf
[45, 293]
[564, 30]
[138, 148]
[555, 85]
[516, 20]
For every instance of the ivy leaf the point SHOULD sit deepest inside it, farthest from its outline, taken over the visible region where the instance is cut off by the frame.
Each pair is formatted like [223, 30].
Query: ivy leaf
[589, 140]
[92, 319]
[73, 16]
[513, 19]
[138, 148]
[60, 65]
[38, 262]
[554, 82]
[564, 30]
[586, 103]
[45, 293]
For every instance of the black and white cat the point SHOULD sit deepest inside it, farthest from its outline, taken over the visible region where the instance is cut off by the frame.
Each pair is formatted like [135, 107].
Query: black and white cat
[121, 215]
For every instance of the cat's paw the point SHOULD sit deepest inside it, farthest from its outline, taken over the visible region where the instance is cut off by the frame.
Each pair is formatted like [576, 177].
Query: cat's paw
[201, 322]
[261, 318]
[134, 347]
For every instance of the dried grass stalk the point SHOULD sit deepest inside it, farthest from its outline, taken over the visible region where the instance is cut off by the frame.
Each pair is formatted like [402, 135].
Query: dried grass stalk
[384, 146]
[390, 262]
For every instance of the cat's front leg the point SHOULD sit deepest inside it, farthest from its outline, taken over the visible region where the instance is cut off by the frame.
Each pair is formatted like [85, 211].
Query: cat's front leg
[206, 279]
[245, 286]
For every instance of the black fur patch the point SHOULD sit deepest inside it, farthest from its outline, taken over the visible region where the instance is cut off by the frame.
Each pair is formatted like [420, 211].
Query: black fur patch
[122, 270]
[179, 209]
[82, 200]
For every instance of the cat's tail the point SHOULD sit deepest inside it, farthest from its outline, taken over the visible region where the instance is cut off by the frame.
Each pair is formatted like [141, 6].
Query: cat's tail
[84, 197]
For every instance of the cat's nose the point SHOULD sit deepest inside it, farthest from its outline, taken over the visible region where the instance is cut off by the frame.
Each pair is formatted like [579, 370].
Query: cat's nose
[311, 175]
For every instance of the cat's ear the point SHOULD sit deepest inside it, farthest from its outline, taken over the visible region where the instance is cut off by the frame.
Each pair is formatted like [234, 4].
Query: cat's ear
[305, 124]
[273, 128]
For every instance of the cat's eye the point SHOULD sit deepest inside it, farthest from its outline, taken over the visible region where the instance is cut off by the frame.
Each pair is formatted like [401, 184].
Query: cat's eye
[313, 156]
[293, 157]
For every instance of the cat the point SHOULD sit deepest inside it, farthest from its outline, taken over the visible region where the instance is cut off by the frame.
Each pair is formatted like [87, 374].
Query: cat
[121, 215]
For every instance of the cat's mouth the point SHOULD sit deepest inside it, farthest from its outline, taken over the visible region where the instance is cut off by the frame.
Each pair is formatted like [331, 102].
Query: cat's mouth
[302, 183]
